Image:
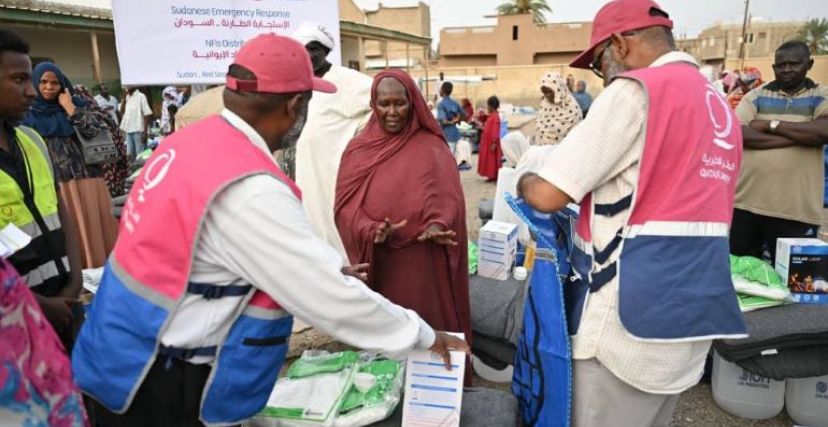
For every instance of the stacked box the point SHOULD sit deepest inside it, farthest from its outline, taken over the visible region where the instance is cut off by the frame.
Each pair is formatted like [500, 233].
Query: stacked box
[803, 264]
[497, 248]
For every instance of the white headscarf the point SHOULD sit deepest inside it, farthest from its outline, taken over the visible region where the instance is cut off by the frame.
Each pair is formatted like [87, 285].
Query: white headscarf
[556, 118]
[514, 145]
[171, 97]
[314, 32]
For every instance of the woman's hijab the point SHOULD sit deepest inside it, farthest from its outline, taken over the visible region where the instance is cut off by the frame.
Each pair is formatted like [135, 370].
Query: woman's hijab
[171, 98]
[48, 118]
[374, 145]
[556, 118]
[468, 109]
[514, 145]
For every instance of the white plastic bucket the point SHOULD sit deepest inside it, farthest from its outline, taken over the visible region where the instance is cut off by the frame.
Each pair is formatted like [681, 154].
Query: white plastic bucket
[807, 400]
[745, 394]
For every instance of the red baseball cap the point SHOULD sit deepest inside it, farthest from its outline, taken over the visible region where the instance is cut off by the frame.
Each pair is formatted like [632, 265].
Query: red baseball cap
[281, 65]
[619, 16]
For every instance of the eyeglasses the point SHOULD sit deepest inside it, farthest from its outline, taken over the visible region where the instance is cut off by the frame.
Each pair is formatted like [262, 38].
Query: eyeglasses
[595, 65]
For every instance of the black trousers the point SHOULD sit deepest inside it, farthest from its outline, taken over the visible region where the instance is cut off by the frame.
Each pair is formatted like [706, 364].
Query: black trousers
[167, 398]
[751, 233]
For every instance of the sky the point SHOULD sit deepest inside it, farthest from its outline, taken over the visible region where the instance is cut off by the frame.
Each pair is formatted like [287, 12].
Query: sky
[689, 16]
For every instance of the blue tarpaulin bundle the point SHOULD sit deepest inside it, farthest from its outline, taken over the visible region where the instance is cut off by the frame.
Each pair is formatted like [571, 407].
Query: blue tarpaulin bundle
[542, 379]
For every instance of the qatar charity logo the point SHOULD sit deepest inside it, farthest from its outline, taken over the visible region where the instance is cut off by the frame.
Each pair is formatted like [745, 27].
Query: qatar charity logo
[720, 116]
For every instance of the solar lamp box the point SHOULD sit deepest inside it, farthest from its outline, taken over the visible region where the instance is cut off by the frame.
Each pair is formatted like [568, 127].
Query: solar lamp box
[494, 270]
[503, 256]
[803, 264]
[498, 231]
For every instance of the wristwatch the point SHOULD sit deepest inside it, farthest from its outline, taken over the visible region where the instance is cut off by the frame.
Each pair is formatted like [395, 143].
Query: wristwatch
[773, 125]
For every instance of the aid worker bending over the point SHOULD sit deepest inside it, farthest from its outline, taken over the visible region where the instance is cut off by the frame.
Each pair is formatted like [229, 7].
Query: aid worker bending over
[654, 167]
[192, 319]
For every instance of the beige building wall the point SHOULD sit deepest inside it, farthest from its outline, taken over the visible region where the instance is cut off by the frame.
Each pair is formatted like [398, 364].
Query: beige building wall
[722, 41]
[412, 20]
[515, 40]
[349, 11]
[819, 73]
[71, 50]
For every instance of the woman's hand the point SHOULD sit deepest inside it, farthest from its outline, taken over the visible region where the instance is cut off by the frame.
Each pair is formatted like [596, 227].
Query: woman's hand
[65, 101]
[433, 233]
[386, 229]
[493, 147]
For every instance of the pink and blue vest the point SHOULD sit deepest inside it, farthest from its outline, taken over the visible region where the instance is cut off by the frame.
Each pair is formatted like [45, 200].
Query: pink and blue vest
[673, 268]
[147, 277]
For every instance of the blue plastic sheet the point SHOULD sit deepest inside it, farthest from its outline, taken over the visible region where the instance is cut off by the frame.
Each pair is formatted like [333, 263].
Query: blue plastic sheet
[542, 379]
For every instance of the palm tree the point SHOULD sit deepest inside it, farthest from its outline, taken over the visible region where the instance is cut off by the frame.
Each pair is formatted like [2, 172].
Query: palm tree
[536, 7]
[815, 34]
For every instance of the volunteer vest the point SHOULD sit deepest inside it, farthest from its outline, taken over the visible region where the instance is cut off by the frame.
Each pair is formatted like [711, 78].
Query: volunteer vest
[673, 267]
[147, 277]
[34, 209]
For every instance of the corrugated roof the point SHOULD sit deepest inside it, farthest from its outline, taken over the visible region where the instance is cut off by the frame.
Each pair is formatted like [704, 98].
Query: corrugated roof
[58, 9]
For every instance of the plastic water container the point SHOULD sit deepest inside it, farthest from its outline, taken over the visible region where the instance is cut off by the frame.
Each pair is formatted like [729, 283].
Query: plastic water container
[745, 394]
[807, 400]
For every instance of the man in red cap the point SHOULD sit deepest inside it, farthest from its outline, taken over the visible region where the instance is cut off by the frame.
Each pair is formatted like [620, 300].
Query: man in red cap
[192, 320]
[654, 167]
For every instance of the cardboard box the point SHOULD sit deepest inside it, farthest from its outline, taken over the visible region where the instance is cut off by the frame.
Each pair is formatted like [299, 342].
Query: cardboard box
[503, 256]
[499, 231]
[433, 395]
[494, 244]
[494, 270]
[803, 264]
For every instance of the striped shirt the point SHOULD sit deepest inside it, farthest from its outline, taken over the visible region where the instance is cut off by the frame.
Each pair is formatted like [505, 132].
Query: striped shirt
[785, 183]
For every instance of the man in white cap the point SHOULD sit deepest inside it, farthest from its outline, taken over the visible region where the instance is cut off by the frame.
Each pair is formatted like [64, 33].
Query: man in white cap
[333, 119]
[192, 321]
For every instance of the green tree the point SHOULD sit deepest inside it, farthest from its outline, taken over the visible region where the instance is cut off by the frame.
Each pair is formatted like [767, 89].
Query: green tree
[815, 34]
[536, 7]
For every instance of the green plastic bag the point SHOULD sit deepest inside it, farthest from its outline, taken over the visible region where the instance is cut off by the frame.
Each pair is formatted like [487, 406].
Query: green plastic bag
[472, 258]
[754, 277]
[385, 371]
[307, 366]
[751, 302]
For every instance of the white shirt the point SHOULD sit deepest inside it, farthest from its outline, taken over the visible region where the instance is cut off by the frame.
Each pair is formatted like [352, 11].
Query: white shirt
[255, 232]
[136, 109]
[601, 155]
[109, 105]
[333, 120]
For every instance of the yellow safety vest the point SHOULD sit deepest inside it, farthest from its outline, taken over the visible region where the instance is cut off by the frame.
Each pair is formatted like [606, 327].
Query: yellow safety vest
[38, 262]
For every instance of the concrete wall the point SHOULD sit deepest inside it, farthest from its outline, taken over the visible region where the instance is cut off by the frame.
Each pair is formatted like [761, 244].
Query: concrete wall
[555, 58]
[411, 20]
[818, 74]
[516, 41]
[516, 85]
[71, 50]
[469, 61]
[350, 52]
[348, 11]
[720, 41]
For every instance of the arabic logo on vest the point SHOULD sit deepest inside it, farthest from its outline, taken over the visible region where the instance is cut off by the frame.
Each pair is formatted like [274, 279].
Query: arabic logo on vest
[822, 387]
[156, 171]
[722, 126]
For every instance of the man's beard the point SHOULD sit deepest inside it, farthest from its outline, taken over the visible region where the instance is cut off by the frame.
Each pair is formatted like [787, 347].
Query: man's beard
[290, 139]
[614, 68]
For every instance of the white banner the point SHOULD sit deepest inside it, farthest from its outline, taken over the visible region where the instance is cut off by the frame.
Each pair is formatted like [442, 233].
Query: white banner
[185, 42]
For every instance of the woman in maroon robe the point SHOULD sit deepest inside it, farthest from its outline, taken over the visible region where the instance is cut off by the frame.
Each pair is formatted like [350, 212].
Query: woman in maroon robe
[400, 208]
[490, 153]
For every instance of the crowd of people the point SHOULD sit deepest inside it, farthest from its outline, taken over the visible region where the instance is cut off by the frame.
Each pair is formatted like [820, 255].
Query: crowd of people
[210, 264]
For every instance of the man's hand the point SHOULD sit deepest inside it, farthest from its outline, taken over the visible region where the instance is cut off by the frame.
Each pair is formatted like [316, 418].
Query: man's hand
[386, 229]
[65, 101]
[445, 343]
[433, 233]
[360, 271]
[58, 310]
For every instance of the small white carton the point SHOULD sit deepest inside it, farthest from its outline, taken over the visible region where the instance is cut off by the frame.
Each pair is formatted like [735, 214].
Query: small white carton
[494, 270]
[504, 256]
[433, 394]
[499, 231]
